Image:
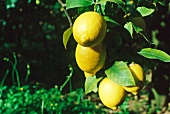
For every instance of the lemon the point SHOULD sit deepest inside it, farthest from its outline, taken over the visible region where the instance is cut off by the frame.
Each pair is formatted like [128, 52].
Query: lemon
[111, 94]
[139, 22]
[139, 77]
[90, 59]
[89, 29]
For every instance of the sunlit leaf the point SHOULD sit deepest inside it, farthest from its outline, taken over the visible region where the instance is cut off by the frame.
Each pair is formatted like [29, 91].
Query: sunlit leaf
[120, 73]
[129, 27]
[137, 29]
[66, 36]
[91, 84]
[144, 11]
[111, 20]
[155, 54]
[78, 3]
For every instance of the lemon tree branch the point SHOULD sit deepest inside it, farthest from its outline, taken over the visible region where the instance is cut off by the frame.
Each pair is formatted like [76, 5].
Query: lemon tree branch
[68, 17]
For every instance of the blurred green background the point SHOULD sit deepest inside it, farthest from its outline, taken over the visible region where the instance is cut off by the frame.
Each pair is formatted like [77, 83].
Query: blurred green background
[33, 30]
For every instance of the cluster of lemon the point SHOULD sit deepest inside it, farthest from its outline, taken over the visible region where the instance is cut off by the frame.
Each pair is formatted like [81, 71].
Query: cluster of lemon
[113, 95]
[89, 30]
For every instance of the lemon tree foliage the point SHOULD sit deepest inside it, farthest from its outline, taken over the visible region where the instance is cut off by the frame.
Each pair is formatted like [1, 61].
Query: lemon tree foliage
[66, 36]
[145, 11]
[139, 77]
[120, 74]
[129, 27]
[120, 3]
[125, 23]
[155, 54]
[137, 25]
[111, 20]
[78, 3]
[91, 84]
[145, 8]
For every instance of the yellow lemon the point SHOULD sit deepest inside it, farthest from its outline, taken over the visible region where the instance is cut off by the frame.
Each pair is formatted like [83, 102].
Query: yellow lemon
[111, 94]
[139, 77]
[89, 29]
[90, 59]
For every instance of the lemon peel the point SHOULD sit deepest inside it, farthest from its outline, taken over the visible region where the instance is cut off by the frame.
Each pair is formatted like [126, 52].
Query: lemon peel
[89, 29]
[111, 94]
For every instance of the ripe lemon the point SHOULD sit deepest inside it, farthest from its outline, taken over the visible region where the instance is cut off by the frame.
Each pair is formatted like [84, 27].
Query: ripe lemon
[90, 59]
[138, 75]
[89, 29]
[139, 22]
[111, 94]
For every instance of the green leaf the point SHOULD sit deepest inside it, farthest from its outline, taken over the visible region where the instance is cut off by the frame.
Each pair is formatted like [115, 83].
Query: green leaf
[120, 3]
[129, 27]
[146, 3]
[144, 11]
[91, 84]
[120, 73]
[81, 10]
[66, 36]
[103, 8]
[78, 3]
[155, 54]
[111, 20]
[137, 29]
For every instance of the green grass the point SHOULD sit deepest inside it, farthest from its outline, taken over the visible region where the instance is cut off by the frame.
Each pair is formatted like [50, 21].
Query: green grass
[35, 100]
